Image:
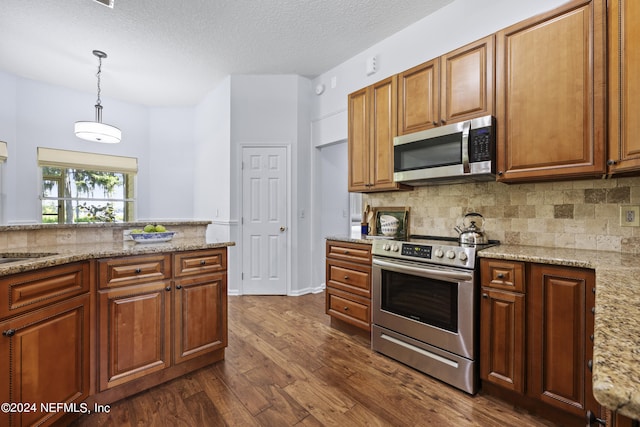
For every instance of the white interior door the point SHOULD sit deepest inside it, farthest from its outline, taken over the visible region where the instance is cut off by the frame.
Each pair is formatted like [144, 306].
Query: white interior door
[264, 220]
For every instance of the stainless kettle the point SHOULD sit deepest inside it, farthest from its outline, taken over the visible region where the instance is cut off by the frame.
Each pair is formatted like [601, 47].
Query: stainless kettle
[471, 232]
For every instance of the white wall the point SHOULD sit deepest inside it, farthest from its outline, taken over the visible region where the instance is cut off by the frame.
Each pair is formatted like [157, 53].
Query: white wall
[274, 109]
[34, 114]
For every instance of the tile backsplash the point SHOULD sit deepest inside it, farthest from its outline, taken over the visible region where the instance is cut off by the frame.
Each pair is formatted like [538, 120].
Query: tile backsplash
[582, 214]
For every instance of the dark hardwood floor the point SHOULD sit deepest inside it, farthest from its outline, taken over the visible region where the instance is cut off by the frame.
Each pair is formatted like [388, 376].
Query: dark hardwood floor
[287, 366]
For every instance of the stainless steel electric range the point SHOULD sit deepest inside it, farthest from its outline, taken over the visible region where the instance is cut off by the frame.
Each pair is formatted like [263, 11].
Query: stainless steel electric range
[426, 306]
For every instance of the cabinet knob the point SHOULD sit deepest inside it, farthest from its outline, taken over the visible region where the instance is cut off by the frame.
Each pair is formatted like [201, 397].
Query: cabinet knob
[500, 276]
[202, 262]
[179, 287]
[346, 252]
[435, 123]
[346, 277]
[9, 332]
[138, 270]
[485, 295]
[346, 309]
[591, 419]
[590, 364]
[499, 173]
[591, 337]
[168, 288]
[611, 162]
[444, 122]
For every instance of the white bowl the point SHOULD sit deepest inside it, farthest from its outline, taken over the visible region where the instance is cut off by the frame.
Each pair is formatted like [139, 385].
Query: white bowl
[389, 225]
[164, 236]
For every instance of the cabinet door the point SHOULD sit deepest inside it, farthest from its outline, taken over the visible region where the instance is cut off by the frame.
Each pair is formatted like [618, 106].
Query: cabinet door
[550, 97]
[502, 339]
[134, 332]
[200, 316]
[45, 358]
[418, 98]
[624, 85]
[358, 141]
[467, 82]
[558, 334]
[383, 130]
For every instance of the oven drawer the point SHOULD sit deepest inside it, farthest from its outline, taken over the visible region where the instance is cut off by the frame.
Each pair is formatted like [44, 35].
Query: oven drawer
[505, 275]
[349, 308]
[355, 252]
[349, 277]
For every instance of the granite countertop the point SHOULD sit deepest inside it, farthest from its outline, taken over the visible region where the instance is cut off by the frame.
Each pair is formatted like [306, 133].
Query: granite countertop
[48, 256]
[351, 239]
[616, 347]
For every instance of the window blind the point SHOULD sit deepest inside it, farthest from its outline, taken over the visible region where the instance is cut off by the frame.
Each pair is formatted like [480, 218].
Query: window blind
[87, 161]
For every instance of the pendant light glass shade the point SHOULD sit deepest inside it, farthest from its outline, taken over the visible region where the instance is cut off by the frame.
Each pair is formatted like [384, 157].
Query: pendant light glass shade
[98, 131]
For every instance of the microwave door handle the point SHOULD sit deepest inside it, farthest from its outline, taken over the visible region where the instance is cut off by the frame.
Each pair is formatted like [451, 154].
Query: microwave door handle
[466, 126]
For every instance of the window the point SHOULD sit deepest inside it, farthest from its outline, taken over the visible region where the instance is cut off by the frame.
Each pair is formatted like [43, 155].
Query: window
[86, 187]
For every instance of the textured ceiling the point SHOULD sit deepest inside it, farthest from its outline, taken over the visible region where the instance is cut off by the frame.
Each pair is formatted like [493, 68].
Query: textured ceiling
[171, 52]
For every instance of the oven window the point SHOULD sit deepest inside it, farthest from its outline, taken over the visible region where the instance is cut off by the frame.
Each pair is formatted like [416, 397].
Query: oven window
[430, 301]
[440, 151]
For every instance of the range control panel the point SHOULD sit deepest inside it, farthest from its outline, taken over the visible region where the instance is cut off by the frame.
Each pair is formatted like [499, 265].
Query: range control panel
[437, 253]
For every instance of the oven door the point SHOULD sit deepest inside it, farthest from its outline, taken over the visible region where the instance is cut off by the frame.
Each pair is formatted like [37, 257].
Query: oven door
[432, 304]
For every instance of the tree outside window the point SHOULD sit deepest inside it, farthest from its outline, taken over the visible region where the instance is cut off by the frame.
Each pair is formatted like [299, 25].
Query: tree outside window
[75, 195]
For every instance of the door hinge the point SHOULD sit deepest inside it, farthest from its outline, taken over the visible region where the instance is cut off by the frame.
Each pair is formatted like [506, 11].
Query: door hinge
[241, 276]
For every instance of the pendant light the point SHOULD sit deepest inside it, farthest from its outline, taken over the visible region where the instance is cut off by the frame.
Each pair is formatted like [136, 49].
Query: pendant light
[98, 131]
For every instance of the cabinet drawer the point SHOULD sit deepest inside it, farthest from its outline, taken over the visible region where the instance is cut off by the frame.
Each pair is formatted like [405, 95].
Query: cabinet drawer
[349, 277]
[349, 308]
[506, 275]
[27, 291]
[200, 262]
[356, 252]
[125, 271]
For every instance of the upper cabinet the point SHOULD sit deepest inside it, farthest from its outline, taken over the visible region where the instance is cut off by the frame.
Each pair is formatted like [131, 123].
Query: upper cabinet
[550, 102]
[457, 86]
[372, 127]
[624, 85]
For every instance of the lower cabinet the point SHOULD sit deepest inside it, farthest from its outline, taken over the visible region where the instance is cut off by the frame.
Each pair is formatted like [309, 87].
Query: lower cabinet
[348, 278]
[536, 336]
[45, 350]
[159, 312]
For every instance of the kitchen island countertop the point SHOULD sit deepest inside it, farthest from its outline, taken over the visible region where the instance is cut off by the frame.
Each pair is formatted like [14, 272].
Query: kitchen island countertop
[48, 256]
[616, 352]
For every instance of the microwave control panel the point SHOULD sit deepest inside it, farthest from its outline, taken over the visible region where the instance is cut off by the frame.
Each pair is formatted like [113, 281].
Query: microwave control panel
[481, 144]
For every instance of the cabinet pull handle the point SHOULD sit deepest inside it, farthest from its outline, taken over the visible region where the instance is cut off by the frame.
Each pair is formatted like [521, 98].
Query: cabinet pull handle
[591, 418]
[138, 270]
[179, 287]
[203, 262]
[9, 332]
[168, 288]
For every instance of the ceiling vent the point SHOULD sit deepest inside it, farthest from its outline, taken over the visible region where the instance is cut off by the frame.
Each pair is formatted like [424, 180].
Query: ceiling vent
[108, 3]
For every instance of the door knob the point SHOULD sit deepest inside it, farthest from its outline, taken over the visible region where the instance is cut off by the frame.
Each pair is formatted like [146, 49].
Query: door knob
[283, 228]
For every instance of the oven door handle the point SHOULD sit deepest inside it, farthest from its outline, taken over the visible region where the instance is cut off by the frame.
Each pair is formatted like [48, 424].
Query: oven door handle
[423, 271]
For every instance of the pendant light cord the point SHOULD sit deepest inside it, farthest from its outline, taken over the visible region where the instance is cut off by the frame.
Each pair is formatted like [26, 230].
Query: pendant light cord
[98, 76]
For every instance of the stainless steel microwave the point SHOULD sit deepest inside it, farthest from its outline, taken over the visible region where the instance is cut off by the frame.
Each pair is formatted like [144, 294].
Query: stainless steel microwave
[458, 152]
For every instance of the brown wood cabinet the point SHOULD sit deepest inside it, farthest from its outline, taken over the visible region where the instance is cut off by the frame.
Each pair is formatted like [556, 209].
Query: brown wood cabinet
[540, 351]
[372, 127]
[560, 326]
[45, 344]
[502, 352]
[550, 74]
[348, 281]
[454, 87]
[624, 86]
[200, 309]
[157, 312]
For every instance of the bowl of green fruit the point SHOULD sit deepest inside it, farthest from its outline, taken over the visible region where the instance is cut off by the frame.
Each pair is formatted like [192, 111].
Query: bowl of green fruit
[152, 233]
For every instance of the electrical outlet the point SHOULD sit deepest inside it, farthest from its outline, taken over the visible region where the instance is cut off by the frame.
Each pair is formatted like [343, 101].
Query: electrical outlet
[630, 216]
